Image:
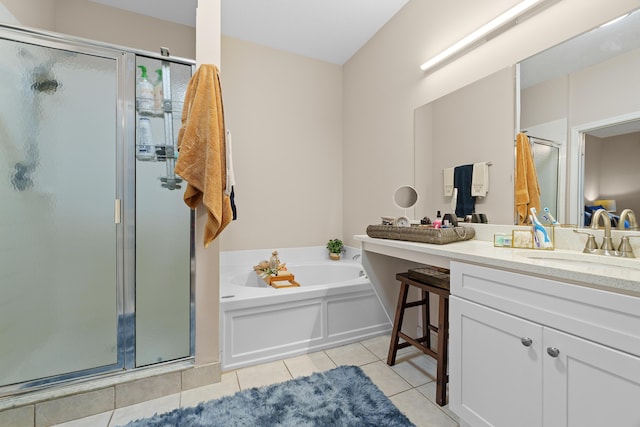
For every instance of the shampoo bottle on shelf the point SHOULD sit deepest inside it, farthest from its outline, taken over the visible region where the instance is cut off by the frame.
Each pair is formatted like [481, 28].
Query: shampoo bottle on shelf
[157, 91]
[144, 91]
[144, 148]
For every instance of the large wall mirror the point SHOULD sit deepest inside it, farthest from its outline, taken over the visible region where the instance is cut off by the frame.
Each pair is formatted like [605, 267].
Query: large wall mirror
[471, 125]
[581, 100]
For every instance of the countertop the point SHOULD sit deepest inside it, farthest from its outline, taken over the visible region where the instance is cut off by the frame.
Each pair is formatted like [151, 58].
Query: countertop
[614, 274]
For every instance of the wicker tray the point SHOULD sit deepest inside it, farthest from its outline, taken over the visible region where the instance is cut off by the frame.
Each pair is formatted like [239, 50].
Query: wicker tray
[438, 236]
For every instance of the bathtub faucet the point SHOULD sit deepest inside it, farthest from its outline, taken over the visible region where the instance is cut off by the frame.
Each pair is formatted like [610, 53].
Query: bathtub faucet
[355, 257]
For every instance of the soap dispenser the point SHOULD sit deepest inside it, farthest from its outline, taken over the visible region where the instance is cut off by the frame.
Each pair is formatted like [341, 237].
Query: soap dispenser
[158, 96]
[144, 90]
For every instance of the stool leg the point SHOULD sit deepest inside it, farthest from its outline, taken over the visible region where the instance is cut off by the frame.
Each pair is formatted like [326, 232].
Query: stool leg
[426, 319]
[443, 350]
[397, 323]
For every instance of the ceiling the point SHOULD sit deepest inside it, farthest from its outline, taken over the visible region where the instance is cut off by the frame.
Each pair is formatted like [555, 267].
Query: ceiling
[328, 30]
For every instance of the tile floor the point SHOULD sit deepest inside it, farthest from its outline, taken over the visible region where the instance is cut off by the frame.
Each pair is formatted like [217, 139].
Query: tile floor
[410, 383]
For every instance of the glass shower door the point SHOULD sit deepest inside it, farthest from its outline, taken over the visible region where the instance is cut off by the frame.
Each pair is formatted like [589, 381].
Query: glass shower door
[59, 257]
[547, 159]
[163, 225]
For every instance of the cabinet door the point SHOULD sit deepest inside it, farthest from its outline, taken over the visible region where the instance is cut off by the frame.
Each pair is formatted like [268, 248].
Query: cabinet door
[588, 384]
[495, 367]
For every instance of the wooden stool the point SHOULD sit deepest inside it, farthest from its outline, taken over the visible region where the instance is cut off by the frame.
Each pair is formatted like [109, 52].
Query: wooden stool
[430, 281]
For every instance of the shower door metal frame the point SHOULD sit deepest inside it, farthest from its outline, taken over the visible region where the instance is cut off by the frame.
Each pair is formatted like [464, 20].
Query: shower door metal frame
[124, 200]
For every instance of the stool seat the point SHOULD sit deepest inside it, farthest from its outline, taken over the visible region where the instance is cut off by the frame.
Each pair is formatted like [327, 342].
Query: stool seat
[430, 280]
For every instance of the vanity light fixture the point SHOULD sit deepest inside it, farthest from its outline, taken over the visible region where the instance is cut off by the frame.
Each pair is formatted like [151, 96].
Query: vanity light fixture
[495, 24]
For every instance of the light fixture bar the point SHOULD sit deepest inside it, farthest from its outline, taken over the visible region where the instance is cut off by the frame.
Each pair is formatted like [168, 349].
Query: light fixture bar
[478, 34]
[613, 21]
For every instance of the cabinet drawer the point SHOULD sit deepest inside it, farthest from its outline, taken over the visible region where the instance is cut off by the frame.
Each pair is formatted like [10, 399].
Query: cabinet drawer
[609, 318]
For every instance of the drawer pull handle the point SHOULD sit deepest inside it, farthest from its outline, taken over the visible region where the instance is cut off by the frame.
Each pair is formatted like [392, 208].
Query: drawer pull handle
[553, 352]
[526, 341]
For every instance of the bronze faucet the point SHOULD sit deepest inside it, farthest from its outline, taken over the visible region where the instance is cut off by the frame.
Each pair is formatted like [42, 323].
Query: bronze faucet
[633, 224]
[607, 243]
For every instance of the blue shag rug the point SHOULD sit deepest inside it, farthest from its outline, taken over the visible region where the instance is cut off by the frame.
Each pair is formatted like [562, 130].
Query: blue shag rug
[343, 396]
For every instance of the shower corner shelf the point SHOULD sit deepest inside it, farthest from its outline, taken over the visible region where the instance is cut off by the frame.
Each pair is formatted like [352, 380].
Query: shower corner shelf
[176, 109]
[158, 113]
[169, 111]
[150, 113]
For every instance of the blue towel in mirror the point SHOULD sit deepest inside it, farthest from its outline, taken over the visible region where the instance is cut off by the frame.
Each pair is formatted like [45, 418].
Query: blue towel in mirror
[466, 204]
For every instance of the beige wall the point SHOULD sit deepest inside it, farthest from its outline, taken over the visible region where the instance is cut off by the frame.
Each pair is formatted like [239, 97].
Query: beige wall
[383, 85]
[545, 102]
[604, 90]
[32, 13]
[82, 18]
[94, 21]
[285, 115]
[585, 96]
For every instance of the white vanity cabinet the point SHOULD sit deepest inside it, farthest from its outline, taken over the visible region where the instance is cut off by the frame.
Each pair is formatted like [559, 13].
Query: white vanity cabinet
[589, 384]
[529, 351]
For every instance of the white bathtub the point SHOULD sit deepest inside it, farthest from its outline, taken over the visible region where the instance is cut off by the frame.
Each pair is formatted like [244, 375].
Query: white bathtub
[334, 305]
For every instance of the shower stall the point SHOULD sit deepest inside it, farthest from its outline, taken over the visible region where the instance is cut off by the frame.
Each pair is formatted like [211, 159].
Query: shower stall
[96, 263]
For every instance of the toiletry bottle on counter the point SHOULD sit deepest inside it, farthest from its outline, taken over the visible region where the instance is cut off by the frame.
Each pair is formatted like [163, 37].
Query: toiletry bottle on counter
[157, 91]
[144, 91]
[437, 223]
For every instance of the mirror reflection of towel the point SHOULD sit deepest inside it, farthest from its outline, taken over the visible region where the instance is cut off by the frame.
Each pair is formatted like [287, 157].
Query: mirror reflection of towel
[454, 200]
[526, 180]
[447, 175]
[480, 179]
[466, 204]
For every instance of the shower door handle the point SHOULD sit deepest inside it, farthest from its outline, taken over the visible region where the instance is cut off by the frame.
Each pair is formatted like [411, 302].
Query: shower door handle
[116, 212]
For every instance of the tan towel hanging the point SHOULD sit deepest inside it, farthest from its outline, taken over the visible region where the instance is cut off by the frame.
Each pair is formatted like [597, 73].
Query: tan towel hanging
[201, 144]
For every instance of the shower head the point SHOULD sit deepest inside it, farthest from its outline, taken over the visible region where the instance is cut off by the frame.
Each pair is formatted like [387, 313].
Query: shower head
[41, 61]
[21, 179]
[48, 86]
[44, 81]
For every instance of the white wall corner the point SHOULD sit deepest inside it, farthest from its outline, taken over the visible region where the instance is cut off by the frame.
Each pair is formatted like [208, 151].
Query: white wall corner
[207, 259]
[6, 17]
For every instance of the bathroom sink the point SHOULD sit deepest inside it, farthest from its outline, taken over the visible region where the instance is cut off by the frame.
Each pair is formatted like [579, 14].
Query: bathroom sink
[579, 259]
